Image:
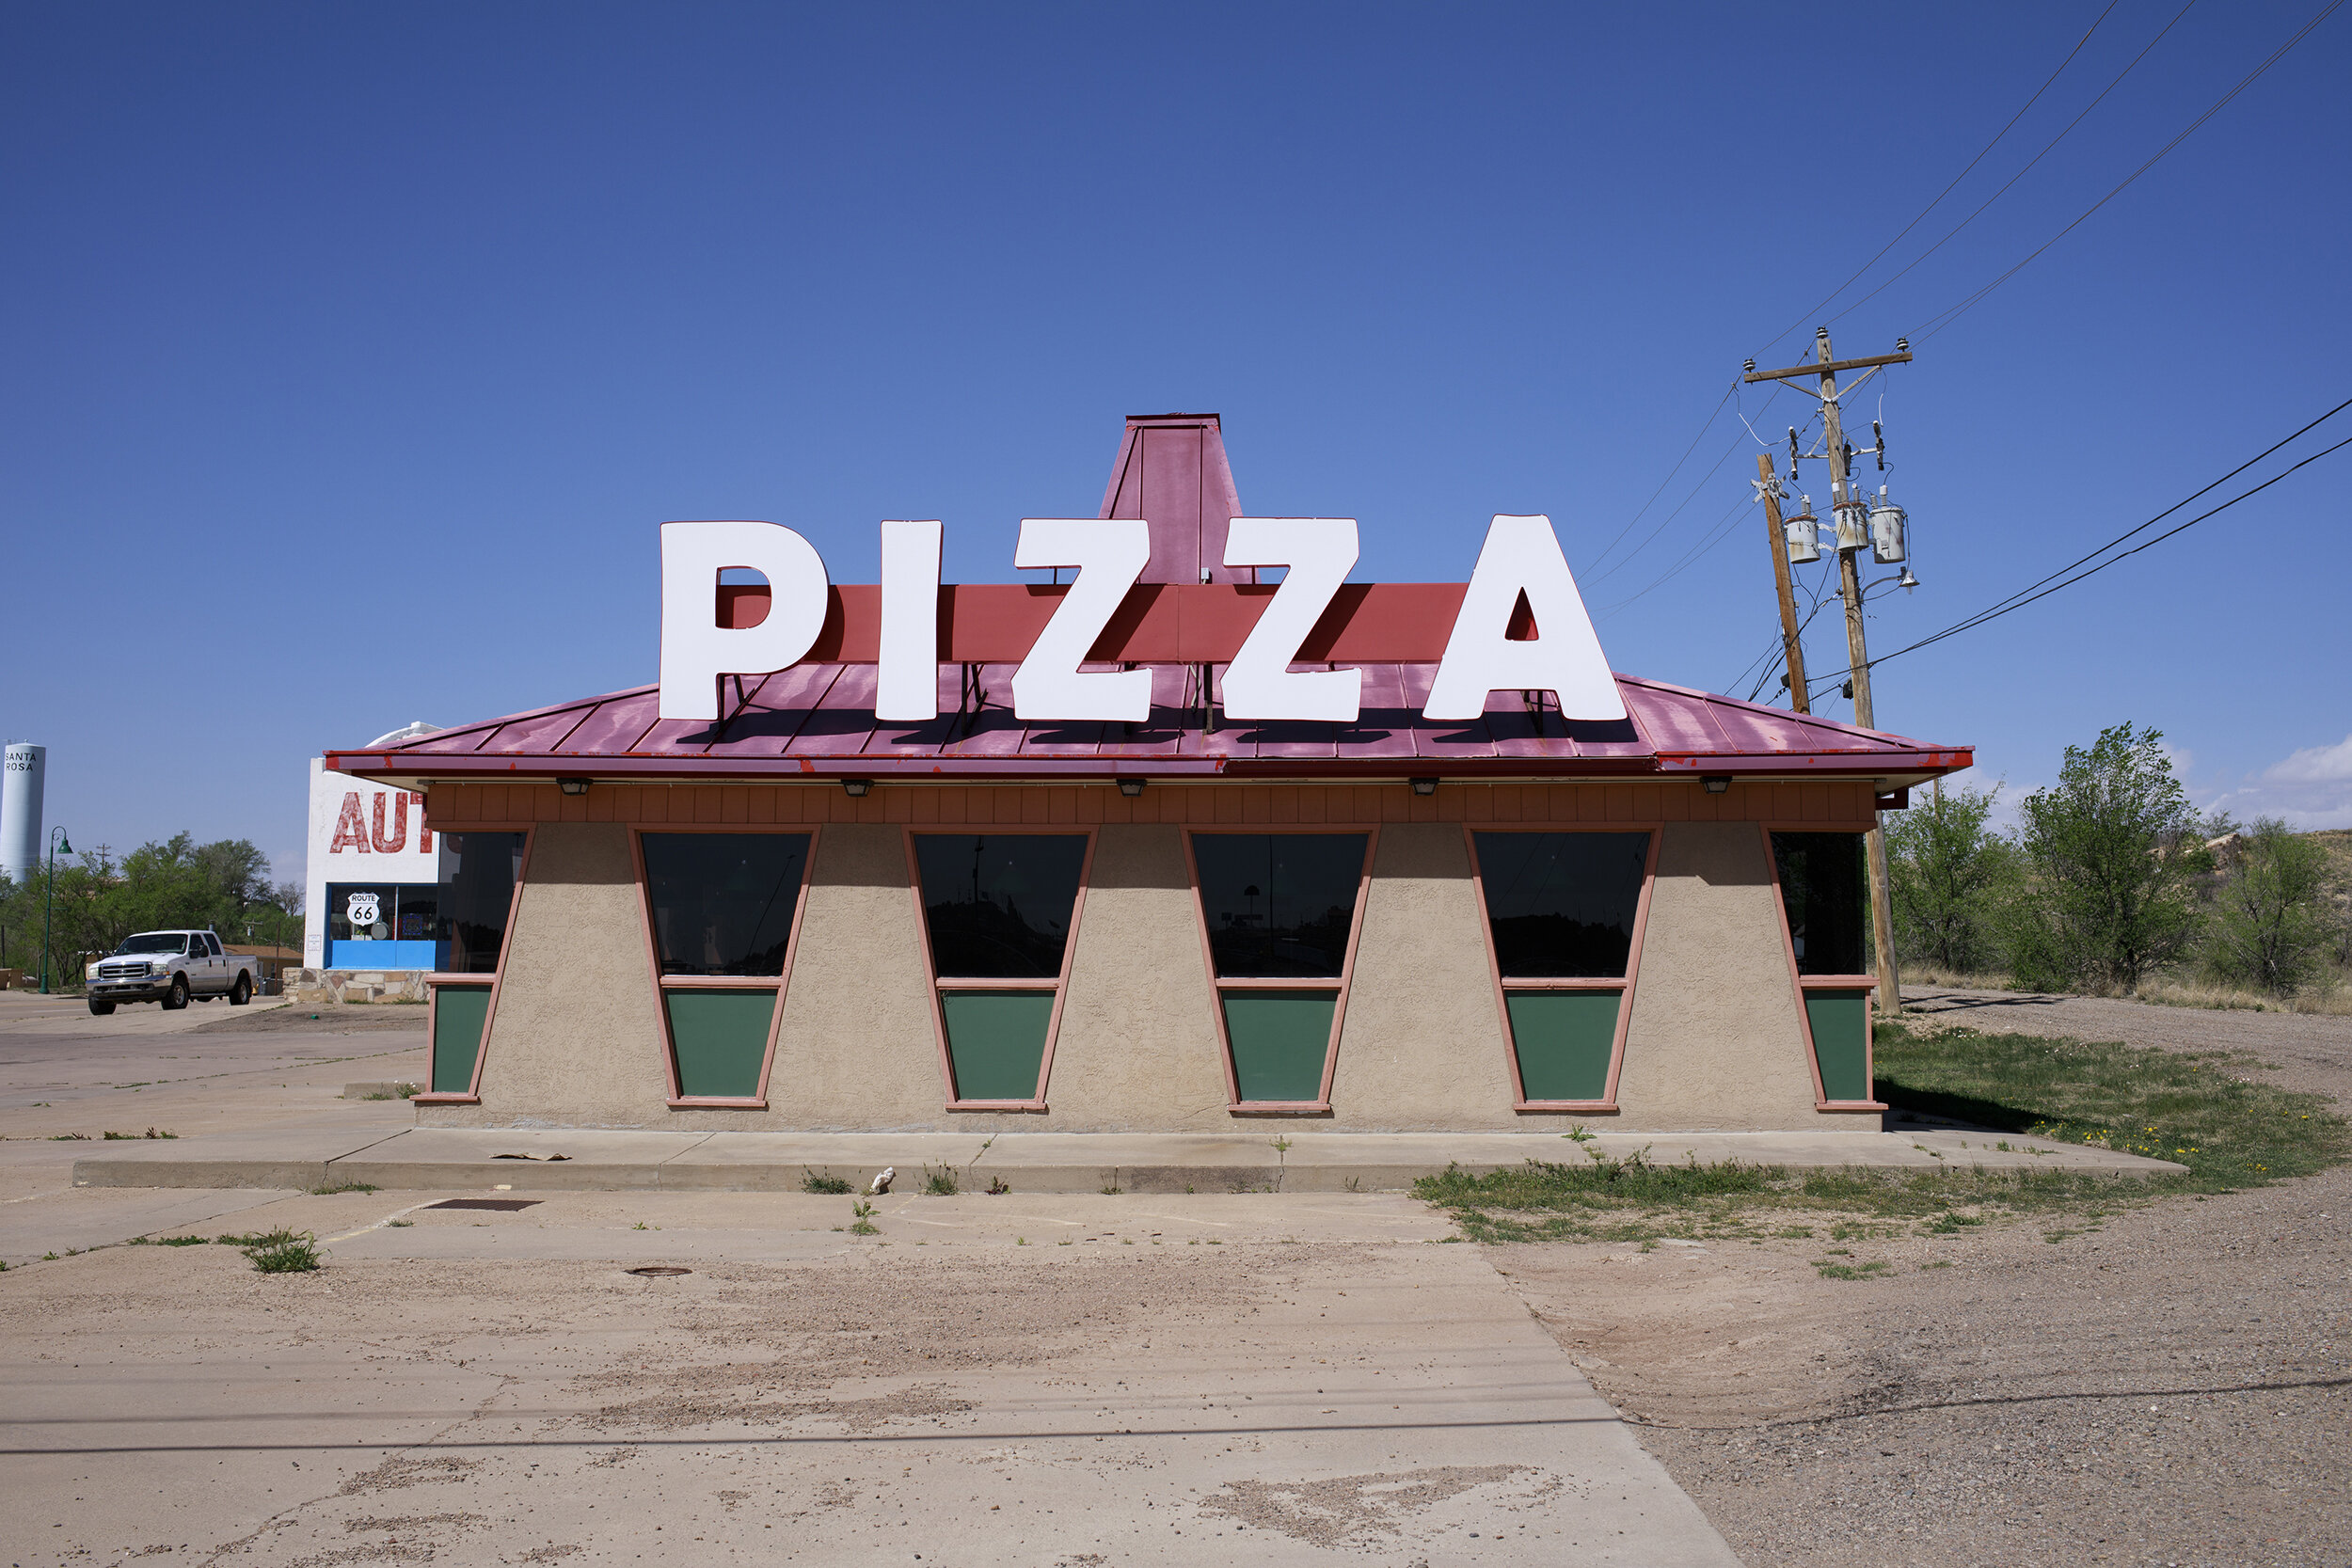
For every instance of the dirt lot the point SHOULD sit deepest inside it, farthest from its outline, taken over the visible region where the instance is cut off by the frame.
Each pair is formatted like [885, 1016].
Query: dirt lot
[2170, 1386]
[319, 1018]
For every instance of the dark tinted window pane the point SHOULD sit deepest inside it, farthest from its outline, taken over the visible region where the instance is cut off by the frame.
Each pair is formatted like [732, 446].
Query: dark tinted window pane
[1278, 904]
[1821, 888]
[1561, 905]
[998, 904]
[478, 874]
[419, 913]
[722, 903]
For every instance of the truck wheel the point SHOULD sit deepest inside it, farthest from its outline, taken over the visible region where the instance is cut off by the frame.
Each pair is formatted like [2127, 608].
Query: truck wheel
[242, 992]
[177, 997]
[101, 1008]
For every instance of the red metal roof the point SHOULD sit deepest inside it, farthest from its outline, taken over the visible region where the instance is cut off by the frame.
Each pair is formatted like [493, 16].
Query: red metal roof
[817, 721]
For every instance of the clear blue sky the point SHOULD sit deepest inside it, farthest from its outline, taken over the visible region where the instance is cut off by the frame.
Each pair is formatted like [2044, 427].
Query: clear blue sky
[353, 354]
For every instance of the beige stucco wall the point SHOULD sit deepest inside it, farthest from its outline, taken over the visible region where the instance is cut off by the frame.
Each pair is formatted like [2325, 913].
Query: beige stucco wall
[1716, 1041]
[856, 1051]
[1421, 1047]
[575, 1039]
[1139, 1047]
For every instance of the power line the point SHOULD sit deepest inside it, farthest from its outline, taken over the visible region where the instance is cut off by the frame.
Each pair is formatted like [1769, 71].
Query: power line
[2047, 149]
[1667, 521]
[2061, 579]
[2001, 605]
[1709, 424]
[1947, 190]
[1945, 318]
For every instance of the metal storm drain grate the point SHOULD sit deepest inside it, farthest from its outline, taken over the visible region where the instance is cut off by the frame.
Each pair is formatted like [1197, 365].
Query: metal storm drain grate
[659, 1271]
[503, 1205]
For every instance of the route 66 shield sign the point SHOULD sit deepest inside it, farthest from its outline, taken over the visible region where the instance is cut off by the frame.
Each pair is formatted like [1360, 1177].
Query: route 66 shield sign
[362, 908]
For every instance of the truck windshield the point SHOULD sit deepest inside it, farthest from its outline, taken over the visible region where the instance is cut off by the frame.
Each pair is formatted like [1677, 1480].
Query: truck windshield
[155, 941]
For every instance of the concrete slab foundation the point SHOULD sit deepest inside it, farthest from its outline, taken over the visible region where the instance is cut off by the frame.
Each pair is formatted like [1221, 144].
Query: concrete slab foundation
[452, 1158]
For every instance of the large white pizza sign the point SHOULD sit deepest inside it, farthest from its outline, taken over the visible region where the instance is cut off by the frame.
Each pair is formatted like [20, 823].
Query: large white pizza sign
[1521, 560]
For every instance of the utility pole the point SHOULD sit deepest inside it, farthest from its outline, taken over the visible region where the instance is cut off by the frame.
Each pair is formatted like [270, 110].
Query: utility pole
[1767, 486]
[1852, 535]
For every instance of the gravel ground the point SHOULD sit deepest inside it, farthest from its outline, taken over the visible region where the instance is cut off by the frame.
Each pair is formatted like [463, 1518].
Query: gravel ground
[2170, 1386]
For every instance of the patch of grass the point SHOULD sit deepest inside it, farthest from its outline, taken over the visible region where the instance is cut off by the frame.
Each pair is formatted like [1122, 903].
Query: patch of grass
[998, 1186]
[279, 1251]
[1939, 1263]
[2187, 1108]
[824, 1184]
[69, 1137]
[331, 1188]
[940, 1181]
[864, 1224]
[2229, 1132]
[398, 1225]
[1875, 1268]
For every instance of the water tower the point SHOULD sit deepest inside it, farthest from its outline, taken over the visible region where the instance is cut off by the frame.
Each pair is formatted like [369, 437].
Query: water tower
[20, 810]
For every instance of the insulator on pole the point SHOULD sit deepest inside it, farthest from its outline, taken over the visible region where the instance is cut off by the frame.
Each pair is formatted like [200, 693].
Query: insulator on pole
[1878, 439]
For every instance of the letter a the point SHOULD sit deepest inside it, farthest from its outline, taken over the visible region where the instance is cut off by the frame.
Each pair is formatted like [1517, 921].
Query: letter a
[351, 827]
[1522, 556]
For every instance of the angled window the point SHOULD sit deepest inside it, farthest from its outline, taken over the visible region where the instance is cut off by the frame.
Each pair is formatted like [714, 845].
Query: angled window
[721, 912]
[456, 925]
[1825, 911]
[1279, 913]
[999, 912]
[1565, 911]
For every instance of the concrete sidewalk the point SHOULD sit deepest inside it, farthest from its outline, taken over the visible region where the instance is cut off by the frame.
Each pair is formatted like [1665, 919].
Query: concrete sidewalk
[445, 1159]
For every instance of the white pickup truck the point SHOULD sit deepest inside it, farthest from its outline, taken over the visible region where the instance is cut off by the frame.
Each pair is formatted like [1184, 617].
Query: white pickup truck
[169, 967]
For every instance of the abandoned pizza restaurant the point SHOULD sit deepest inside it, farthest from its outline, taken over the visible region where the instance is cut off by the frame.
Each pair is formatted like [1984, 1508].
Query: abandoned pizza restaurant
[1187, 831]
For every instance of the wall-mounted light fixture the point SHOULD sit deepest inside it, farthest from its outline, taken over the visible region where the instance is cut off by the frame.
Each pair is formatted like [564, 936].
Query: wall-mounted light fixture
[1130, 787]
[1715, 783]
[1425, 786]
[572, 786]
[857, 787]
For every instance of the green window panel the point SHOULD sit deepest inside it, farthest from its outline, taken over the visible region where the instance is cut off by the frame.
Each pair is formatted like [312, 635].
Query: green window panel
[459, 1015]
[1841, 1041]
[1280, 1039]
[1564, 1040]
[721, 1039]
[997, 1041]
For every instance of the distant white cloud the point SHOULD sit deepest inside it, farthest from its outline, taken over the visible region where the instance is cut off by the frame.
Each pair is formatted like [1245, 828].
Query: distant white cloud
[2315, 764]
[2309, 788]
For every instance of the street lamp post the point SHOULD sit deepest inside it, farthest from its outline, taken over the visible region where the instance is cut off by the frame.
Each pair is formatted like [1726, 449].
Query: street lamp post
[49, 901]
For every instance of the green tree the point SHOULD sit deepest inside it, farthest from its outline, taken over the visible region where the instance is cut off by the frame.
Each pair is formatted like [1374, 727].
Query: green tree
[2272, 924]
[2113, 853]
[1950, 872]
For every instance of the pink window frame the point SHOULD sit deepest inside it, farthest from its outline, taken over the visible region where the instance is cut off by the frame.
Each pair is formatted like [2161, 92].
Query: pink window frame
[1866, 984]
[435, 980]
[666, 983]
[937, 982]
[1321, 1105]
[1607, 1104]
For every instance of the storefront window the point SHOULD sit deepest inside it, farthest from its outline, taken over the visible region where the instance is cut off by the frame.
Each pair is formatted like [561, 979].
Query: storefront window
[1561, 906]
[998, 904]
[1822, 891]
[1279, 905]
[722, 903]
[362, 911]
[478, 874]
[997, 911]
[1279, 910]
